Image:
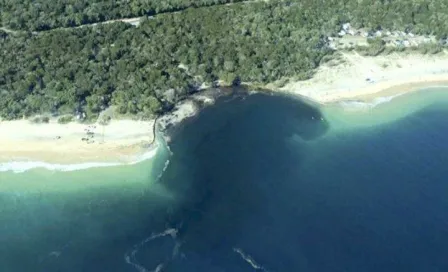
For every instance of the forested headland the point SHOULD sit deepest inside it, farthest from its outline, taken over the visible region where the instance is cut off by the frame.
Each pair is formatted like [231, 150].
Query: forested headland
[146, 69]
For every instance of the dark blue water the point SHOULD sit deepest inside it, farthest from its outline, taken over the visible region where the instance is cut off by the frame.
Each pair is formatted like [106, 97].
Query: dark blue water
[261, 178]
[264, 183]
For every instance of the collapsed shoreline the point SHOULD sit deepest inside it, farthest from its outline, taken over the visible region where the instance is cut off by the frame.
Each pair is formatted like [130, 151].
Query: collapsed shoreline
[74, 146]
[24, 145]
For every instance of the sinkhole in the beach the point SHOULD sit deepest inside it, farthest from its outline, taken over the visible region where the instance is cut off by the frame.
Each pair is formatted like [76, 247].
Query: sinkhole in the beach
[255, 182]
[265, 182]
[228, 160]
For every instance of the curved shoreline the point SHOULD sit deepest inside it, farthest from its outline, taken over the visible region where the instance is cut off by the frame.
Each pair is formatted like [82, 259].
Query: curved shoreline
[356, 77]
[137, 153]
[389, 89]
[56, 146]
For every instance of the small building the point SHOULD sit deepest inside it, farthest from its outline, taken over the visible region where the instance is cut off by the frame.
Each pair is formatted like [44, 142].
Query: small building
[410, 34]
[378, 33]
[342, 33]
[351, 32]
[406, 43]
[388, 33]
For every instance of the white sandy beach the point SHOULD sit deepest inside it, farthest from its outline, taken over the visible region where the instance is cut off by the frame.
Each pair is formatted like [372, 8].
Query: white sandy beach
[120, 141]
[364, 78]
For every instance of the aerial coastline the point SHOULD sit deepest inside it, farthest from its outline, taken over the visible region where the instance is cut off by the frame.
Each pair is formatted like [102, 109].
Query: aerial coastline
[349, 77]
[121, 141]
[233, 135]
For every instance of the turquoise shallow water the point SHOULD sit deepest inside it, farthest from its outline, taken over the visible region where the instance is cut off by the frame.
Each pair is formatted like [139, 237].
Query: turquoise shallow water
[253, 183]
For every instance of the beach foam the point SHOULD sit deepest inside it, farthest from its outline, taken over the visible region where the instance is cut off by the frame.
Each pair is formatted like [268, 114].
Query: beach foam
[23, 166]
[362, 105]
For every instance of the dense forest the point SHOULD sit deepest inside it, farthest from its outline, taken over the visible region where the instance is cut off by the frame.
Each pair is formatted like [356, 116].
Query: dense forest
[41, 15]
[144, 70]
